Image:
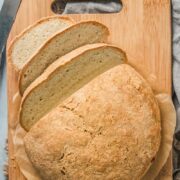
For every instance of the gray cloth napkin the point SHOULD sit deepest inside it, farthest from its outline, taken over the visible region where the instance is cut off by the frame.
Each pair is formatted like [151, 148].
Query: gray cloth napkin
[93, 6]
[176, 61]
[176, 83]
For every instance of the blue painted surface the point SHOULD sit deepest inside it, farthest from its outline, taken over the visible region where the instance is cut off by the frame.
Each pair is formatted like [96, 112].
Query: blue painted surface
[3, 115]
[1, 2]
[3, 118]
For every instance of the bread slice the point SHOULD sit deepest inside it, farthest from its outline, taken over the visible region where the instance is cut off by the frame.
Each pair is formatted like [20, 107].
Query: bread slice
[27, 43]
[61, 43]
[64, 77]
[108, 129]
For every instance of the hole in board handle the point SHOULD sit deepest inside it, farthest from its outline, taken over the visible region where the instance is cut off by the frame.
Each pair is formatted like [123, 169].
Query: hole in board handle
[86, 6]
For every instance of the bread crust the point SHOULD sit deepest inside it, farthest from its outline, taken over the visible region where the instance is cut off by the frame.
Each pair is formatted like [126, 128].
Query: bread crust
[42, 20]
[109, 129]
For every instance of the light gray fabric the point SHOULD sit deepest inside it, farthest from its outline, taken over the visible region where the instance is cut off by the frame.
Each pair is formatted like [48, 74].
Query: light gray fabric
[93, 6]
[176, 47]
[176, 83]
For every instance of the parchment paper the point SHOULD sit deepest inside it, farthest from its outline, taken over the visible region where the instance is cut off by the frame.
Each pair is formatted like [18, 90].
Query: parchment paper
[168, 118]
[168, 122]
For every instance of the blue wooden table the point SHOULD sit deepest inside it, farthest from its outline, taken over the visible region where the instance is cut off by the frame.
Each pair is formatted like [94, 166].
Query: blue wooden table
[3, 115]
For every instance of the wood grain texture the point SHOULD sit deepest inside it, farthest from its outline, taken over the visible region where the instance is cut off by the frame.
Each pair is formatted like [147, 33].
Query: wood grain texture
[142, 29]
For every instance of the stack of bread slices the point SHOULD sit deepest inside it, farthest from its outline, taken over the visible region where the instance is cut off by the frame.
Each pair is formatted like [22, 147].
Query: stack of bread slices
[87, 113]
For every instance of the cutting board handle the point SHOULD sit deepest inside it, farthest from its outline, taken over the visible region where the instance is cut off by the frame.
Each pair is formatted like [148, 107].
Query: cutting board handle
[58, 6]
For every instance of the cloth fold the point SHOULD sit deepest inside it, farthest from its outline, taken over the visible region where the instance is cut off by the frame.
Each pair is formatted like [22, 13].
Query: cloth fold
[93, 6]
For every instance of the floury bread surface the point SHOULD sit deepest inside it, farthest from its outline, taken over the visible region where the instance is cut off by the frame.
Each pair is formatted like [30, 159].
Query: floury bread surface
[65, 76]
[109, 129]
[77, 35]
[31, 39]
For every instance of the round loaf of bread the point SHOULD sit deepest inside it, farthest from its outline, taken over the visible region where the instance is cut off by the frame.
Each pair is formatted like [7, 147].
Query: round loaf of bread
[109, 129]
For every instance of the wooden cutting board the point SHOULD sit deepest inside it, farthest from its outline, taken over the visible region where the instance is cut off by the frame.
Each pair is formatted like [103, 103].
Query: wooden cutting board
[142, 29]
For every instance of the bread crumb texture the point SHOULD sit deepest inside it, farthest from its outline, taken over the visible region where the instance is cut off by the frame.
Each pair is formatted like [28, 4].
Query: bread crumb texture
[109, 129]
[26, 44]
[65, 76]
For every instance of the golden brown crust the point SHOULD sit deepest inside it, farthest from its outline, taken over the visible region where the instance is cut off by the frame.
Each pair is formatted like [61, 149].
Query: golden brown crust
[53, 68]
[10, 48]
[109, 129]
[50, 39]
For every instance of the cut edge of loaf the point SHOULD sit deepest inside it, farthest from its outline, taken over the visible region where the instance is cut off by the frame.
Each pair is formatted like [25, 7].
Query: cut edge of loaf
[32, 59]
[60, 63]
[17, 37]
